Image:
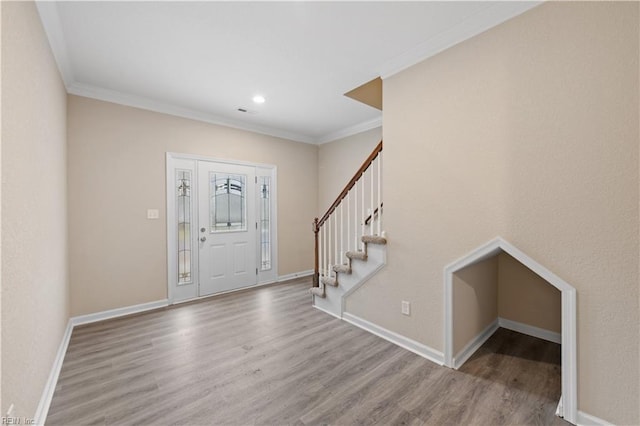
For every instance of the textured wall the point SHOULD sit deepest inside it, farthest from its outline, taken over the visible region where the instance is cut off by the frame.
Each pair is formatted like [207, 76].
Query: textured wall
[34, 203]
[475, 297]
[528, 131]
[117, 172]
[339, 160]
[525, 297]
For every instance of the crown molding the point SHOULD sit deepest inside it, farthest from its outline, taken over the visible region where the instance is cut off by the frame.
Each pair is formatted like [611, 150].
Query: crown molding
[478, 23]
[351, 130]
[141, 102]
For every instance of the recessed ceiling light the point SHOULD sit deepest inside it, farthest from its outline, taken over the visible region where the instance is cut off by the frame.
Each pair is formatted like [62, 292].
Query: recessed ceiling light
[259, 99]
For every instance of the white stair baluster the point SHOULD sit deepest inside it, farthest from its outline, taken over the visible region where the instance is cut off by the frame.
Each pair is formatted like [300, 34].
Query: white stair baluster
[330, 245]
[371, 212]
[355, 218]
[341, 232]
[326, 245]
[320, 259]
[379, 197]
[362, 216]
[349, 221]
[335, 244]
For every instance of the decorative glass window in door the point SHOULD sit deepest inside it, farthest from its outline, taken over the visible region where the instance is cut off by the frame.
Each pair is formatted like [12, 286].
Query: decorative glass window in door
[227, 202]
[183, 204]
[265, 223]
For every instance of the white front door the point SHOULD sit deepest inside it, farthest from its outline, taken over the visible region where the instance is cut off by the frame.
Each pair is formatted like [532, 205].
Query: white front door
[226, 227]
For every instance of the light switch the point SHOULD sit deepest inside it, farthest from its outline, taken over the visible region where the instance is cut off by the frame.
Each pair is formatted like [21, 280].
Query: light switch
[153, 214]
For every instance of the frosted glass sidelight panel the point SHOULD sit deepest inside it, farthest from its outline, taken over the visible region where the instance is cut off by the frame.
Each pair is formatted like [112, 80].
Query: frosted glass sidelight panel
[227, 201]
[183, 204]
[265, 222]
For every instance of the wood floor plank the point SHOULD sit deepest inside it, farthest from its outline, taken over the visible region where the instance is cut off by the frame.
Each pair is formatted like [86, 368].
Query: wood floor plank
[266, 357]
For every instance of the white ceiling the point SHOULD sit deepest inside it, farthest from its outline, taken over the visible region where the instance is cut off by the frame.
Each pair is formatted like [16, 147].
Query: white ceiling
[203, 60]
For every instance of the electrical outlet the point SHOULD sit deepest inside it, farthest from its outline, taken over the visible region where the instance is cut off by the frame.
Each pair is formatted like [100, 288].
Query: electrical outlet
[153, 214]
[406, 308]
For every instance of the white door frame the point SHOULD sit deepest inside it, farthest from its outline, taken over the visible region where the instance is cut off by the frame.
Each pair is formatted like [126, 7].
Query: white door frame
[179, 161]
[568, 408]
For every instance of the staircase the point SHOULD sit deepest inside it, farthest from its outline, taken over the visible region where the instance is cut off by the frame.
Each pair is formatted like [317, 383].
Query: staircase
[349, 241]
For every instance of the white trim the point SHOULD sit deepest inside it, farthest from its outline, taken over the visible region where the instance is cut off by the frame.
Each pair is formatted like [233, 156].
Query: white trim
[324, 310]
[235, 290]
[180, 156]
[530, 330]
[363, 280]
[350, 131]
[474, 344]
[141, 102]
[478, 23]
[48, 11]
[395, 338]
[52, 381]
[118, 312]
[171, 161]
[569, 317]
[293, 275]
[560, 408]
[584, 419]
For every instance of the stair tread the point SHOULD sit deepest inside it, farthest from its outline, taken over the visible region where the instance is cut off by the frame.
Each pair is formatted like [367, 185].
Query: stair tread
[329, 281]
[373, 239]
[317, 291]
[345, 269]
[361, 255]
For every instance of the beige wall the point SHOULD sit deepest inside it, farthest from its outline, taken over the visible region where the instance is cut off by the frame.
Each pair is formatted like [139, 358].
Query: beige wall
[34, 203]
[117, 172]
[339, 160]
[528, 131]
[475, 295]
[525, 297]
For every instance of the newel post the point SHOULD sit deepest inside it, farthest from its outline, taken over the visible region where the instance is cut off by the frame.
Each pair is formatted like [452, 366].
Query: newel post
[316, 269]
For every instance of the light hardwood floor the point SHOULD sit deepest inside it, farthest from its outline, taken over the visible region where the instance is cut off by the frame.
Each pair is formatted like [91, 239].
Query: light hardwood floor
[265, 356]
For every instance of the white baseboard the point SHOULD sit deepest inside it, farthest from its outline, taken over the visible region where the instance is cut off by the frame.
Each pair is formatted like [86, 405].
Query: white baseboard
[530, 330]
[474, 344]
[118, 312]
[402, 341]
[326, 311]
[585, 419]
[52, 380]
[560, 408]
[482, 337]
[295, 275]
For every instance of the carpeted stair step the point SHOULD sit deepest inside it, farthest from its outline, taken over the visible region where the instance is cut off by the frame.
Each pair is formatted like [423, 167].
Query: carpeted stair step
[332, 281]
[317, 291]
[360, 255]
[373, 239]
[344, 269]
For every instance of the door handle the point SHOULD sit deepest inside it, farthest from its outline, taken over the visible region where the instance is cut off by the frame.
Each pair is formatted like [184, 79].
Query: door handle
[203, 239]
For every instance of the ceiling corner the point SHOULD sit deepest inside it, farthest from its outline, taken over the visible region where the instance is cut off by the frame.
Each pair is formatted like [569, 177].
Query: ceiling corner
[48, 11]
[476, 24]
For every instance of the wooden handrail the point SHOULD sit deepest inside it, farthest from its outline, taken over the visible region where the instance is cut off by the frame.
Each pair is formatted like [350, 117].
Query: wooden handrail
[350, 185]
